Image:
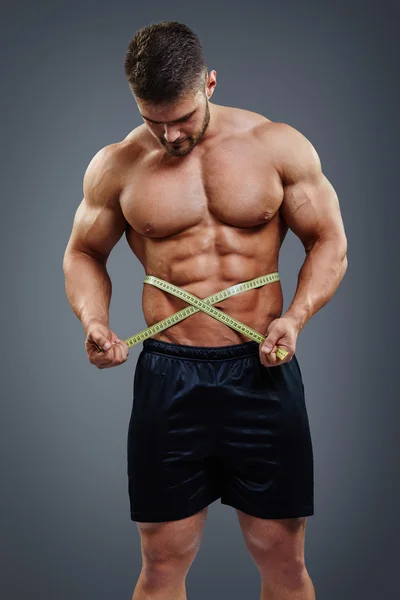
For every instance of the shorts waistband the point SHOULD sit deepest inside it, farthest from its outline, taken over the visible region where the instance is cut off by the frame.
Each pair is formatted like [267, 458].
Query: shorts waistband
[201, 352]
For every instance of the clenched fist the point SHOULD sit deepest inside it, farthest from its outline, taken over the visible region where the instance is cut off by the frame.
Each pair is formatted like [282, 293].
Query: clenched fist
[283, 333]
[104, 348]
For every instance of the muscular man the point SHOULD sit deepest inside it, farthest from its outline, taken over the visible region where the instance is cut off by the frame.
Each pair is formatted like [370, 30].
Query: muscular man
[205, 195]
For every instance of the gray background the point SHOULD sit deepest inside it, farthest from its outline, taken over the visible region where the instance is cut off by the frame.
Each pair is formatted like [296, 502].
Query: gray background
[329, 70]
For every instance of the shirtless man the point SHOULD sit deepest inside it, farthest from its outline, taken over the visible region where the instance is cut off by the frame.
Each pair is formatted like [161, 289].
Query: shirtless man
[205, 195]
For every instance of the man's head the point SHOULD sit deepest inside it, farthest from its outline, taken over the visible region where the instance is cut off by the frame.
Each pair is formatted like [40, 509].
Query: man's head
[167, 74]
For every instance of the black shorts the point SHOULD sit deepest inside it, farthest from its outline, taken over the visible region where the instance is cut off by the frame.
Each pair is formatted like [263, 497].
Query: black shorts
[213, 422]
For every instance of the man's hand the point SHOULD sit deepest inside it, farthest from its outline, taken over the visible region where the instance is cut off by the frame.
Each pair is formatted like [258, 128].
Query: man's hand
[104, 348]
[283, 333]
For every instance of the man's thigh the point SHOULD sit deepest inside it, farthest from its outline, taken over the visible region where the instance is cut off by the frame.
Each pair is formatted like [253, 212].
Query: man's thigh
[273, 540]
[166, 541]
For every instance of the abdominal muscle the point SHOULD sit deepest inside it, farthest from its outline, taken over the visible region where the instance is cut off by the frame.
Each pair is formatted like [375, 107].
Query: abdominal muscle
[203, 274]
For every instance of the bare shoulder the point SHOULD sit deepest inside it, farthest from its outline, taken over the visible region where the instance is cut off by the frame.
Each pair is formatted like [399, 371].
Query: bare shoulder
[105, 174]
[287, 144]
[241, 119]
[294, 154]
[102, 178]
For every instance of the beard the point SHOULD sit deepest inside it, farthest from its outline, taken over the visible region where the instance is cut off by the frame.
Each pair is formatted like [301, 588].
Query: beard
[187, 145]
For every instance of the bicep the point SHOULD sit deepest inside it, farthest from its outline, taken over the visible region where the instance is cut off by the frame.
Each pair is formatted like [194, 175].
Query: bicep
[99, 222]
[96, 230]
[310, 204]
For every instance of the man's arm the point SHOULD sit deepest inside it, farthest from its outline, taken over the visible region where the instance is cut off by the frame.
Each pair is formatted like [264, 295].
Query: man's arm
[98, 225]
[311, 210]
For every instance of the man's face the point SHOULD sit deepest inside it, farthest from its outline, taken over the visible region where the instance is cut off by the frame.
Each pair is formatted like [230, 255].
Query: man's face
[180, 126]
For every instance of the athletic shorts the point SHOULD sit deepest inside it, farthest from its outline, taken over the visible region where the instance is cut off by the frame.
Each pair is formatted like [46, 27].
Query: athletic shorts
[214, 422]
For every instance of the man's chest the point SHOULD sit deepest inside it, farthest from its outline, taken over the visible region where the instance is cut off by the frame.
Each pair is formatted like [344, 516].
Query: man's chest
[235, 186]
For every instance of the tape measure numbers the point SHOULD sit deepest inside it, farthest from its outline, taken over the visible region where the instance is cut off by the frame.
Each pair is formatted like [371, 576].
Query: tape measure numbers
[206, 306]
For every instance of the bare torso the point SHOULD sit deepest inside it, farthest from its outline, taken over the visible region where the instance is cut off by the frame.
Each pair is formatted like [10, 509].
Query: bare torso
[205, 222]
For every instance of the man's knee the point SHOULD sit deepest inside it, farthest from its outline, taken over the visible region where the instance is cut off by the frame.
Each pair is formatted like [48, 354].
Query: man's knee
[276, 546]
[169, 548]
[170, 555]
[290, 574]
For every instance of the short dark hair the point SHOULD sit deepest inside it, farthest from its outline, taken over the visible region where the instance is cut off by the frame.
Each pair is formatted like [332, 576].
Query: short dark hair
[165, 61]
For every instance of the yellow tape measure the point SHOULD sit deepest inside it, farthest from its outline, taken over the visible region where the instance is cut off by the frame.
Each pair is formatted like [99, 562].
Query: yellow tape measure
[206, 306]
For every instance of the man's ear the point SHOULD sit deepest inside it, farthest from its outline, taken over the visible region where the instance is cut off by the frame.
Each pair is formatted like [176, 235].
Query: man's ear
[209, 92]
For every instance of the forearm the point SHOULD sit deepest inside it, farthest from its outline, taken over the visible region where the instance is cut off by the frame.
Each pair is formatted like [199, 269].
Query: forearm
[88, 288]
[319, 277]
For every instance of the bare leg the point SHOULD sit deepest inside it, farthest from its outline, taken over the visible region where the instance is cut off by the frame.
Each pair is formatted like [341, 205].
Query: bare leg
[146, 589]
[168, 550]
[277, 548]
[303, 590]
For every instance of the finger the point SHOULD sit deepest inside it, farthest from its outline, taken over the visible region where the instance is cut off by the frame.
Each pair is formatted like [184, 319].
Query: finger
[264, 360]
[267, 352]
[101, 359]
[120, 355]
[99, 343]
[271, 340]
[101, 337]
[272, 356]
[125, 348]
[269, 359]
[112, 361]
